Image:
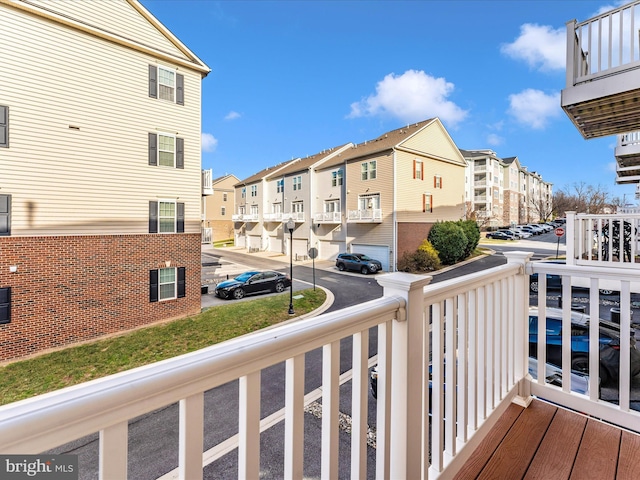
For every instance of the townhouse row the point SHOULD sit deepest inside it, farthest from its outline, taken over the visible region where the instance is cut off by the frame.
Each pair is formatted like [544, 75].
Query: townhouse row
[100, 173]
[380, 197]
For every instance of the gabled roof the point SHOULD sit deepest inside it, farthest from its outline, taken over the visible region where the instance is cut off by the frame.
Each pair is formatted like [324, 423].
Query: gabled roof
[116, 22]
[256, 177]
[384, 142]
[303, 164]
[223, 178]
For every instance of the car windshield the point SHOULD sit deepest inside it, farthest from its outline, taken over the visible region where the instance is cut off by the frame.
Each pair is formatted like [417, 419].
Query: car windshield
[243, 277]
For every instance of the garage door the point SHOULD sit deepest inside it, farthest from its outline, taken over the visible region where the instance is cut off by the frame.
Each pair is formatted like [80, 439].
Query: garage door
[241, 240]
[300, 248]
[275, 245]
[330, 250]
[254, 241]
[378, 252]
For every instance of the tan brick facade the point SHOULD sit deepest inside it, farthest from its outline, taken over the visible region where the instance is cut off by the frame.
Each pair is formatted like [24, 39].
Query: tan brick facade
[68, 289]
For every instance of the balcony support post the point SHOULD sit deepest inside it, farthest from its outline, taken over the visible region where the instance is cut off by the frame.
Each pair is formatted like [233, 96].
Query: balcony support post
[570, 238]
[521, 327]
[409, 357]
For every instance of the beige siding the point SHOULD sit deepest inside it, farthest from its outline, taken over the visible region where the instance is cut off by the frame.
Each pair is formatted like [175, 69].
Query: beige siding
[374, 233]
[435, 140]
[117, 17]
[448, 201]
[52, 169]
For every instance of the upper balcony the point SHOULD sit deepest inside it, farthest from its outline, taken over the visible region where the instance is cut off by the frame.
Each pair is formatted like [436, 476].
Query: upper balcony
[627, 155]
[297, 217]
[370, 215]
[471, 333]
[603, 73]
[327, 217]
[207, 182]
[272, 217]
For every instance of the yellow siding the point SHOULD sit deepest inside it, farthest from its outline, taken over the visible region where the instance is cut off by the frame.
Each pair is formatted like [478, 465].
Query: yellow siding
[434, 140]
[448, 201]
[95, 179]
[376, 233]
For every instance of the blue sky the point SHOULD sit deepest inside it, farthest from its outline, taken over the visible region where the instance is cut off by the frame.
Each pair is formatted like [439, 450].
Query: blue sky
[292, 78]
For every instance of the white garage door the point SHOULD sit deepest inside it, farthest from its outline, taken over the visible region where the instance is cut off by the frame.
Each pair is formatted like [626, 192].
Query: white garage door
[254, 242]
[378, 252]
[241, 240]
[330, 250]
[300, 247]
[275, 245]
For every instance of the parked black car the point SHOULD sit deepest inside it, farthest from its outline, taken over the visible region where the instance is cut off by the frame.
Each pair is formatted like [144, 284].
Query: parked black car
[609, 343]
[357, 262]
[253, 282]
[500, 236]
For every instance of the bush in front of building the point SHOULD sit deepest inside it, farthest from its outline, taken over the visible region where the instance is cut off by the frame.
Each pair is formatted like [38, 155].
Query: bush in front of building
[472, 232]
[449, 239]
[425, 259]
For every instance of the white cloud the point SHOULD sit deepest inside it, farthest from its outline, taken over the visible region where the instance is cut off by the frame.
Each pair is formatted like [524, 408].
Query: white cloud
[612, 167]
[540, 46]
[411, 97]
[209, 142]
[494, 140]
[232, 115]
[534, 108]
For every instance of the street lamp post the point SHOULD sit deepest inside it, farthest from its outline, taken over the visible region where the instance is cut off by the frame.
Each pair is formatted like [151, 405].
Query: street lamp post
[291, 225]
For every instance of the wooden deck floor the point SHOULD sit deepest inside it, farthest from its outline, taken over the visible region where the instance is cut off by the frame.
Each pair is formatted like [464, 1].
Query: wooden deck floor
[550, 443]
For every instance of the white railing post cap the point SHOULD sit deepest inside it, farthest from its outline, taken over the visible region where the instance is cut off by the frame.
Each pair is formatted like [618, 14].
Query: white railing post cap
[518, 257]
[402, 281]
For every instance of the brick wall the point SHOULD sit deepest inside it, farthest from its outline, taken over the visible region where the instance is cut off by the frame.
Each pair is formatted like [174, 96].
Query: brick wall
[68, 289]
[410, 236]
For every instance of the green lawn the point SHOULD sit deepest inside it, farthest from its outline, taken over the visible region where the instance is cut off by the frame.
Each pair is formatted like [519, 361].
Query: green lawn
[73, 365]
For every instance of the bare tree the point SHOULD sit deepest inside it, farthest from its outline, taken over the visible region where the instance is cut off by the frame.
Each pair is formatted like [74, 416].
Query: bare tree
[582, 198]
[542, 208]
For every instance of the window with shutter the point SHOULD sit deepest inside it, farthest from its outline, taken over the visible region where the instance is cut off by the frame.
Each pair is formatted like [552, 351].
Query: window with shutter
[166, 150]
[153, 217]
[4, 126]
[166, 216]
[166, 84]
[5, 215]
[153, 82]
[179, 89]
[153, 285]
[5, 305]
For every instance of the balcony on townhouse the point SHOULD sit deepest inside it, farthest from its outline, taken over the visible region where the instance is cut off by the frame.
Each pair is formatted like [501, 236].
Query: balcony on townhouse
[473, 329]
[207, 182]
[627, 153]
[238, 217]
[327, 217]
[603, 73]
[369, 215]
[297, 217]
[272, 217]
[206, 234]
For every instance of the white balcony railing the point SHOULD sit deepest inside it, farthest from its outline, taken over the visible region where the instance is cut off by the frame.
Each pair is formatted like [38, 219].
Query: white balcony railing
[603, 45]
[207, 182]
[472, 329]
[604, 240]
[272, 217]
[207, 235]
[629, 139]
[238, 217]
[251, 217]
[297, 217]
[368, 215]
[328, 217]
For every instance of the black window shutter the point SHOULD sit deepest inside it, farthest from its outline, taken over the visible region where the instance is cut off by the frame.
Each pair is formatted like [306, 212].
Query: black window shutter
[179, 152]
[153, 82]
[5, 215]
[4, 126]
[153, 285]
[180, 218]
[5, 305]
[153, 217]
[179, 89]
[181, 282]
[153, 149]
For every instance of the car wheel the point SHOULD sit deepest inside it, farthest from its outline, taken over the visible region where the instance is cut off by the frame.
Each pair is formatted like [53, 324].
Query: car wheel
[605, 378]
[279, 287]
[364, 270]
[580, 364]
[533, 286]
[238, 293]
[341, 267]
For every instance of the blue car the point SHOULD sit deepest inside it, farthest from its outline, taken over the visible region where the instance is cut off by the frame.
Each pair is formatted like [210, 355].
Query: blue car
[609, 344]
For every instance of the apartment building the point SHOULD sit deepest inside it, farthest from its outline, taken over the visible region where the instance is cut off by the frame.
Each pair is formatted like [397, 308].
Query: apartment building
[218, 209]
[379, 197]
[100, 173]
[501, 191]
